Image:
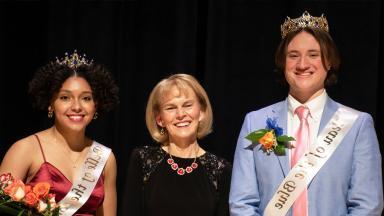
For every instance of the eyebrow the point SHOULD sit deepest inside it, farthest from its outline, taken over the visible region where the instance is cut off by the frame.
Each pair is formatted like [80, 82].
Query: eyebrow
[68, 91]
[296, 51]
[170, 104]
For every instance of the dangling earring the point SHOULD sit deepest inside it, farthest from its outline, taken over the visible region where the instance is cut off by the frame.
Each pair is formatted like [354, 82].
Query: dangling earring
[162, 131]
[50, 112]
[95, 115]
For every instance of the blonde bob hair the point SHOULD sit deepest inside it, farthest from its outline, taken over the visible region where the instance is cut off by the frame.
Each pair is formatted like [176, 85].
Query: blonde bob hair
[182, 82]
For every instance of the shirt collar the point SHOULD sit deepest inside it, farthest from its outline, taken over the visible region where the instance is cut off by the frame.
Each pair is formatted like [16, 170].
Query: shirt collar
[315, 106]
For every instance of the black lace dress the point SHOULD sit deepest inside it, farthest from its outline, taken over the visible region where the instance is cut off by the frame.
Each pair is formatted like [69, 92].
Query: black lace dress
[156, 189]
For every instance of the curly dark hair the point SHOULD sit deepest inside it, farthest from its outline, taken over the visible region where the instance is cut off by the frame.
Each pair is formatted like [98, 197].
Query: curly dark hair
[49, 78]
[329, 54]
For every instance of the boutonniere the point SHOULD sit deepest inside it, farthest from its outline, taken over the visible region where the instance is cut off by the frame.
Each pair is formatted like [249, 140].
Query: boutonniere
[271, 138]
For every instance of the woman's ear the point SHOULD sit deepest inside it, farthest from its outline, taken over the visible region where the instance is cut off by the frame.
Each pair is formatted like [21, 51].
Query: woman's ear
[202, 115]
[50, 111]
[159, 121]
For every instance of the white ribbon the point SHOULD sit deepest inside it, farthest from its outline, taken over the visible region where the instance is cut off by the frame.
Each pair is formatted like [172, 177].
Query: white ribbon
[311, 162]
[83, 186]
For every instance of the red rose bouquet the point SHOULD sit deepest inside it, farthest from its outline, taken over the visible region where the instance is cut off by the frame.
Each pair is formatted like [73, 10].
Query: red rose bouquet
[19, 199]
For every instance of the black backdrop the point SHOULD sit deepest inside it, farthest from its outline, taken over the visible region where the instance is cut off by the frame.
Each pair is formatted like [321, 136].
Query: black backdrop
[228, 45]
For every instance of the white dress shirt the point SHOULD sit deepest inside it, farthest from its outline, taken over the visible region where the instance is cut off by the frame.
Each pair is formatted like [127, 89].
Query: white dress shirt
[315, 106]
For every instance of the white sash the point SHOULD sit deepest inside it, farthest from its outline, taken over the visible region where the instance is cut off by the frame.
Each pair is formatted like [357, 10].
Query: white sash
[311, 162]
[85, 183]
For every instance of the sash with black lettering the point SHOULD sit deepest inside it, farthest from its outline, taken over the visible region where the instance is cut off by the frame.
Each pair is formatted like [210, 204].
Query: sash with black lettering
[85, 183]
[311, 162]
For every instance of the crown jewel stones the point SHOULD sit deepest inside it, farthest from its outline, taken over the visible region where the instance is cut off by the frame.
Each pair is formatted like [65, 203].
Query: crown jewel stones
[74, 60]
[180, 170]
[305, 21]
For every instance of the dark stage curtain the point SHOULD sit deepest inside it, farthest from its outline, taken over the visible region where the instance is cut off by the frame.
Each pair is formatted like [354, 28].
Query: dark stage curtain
[228, 45]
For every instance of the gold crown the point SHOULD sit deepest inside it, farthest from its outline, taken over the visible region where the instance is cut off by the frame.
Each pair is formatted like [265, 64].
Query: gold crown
[305, 21]
[74, 60]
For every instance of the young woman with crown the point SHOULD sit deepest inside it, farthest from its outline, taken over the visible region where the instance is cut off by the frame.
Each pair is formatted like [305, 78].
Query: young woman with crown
[178, 177]
[81, 172]
[333, 164]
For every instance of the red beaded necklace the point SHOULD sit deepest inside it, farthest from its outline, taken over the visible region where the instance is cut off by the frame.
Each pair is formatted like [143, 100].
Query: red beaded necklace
[181, 170]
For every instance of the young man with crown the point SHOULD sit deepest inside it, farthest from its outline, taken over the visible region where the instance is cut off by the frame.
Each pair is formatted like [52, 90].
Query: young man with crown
[307, 155]
[80, 171]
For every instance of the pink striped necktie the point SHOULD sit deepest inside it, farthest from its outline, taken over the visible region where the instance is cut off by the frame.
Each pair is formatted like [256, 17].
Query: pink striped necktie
[300, 207]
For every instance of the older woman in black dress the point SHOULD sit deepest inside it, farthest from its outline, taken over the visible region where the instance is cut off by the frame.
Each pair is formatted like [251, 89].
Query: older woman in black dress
[178, 177]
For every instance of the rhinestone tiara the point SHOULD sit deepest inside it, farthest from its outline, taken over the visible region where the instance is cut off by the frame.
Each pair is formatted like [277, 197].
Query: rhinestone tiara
[74, 60]
[305, 21]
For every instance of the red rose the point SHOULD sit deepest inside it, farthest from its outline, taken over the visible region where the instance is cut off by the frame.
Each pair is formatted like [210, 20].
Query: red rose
[31, 199]
[41, 189]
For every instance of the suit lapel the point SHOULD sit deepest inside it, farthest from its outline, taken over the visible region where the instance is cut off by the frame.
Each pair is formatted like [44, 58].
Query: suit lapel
[329, 109]
[280, 111]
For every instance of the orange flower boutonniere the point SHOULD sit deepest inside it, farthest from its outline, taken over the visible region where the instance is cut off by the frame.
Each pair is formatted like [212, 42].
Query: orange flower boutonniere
[271, 138]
